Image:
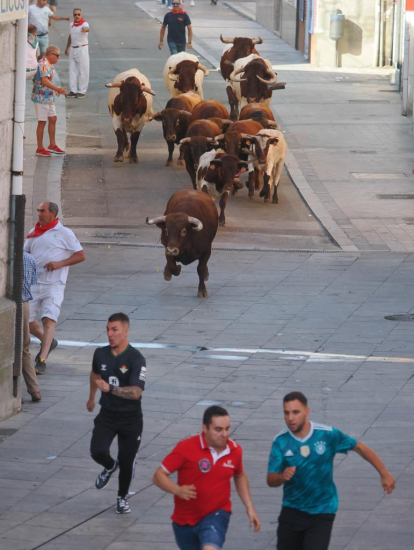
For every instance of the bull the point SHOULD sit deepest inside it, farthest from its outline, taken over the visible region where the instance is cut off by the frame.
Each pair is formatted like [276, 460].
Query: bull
[188, 228]
[238, 48]
[199, 139]
[215, 176]
[261, 113]
[175, 120]
[130, 105]
[209, 109]
[253, 86]
[184, 73]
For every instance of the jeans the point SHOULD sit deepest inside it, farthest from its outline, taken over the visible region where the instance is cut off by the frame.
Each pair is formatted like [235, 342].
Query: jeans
[210, 531]
[176, 48]
[43, 42]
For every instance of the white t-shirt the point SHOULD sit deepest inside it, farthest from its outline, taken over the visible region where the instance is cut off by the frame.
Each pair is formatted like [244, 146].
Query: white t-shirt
[55, 245]
[77, 37]
[31, 57]
[39, 17]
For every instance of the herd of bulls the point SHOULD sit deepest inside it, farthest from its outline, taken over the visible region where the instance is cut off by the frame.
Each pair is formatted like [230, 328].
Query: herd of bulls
[216, 146]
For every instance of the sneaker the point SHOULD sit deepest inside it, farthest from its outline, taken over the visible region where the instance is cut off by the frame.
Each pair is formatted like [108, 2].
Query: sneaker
[55, 149]
[122, 506]
[72, 95]
[36, 397]
[103, 478]
[53, 346]
[40, 367]
[81, 96]
[192, 3]
[42, 153]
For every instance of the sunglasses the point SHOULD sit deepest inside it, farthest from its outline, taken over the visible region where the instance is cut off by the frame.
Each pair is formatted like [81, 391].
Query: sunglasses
[175, 4]
[56, 54]
[77, 14]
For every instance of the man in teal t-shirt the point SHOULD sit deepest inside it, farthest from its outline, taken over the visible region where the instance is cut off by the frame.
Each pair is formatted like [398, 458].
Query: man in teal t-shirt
[301, 459]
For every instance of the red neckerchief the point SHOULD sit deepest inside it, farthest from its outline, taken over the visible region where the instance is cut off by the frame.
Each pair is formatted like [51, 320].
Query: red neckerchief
[79, 23]
[40, 230]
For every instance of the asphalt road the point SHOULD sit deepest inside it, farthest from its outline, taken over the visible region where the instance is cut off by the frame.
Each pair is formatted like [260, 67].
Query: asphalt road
[104, 200]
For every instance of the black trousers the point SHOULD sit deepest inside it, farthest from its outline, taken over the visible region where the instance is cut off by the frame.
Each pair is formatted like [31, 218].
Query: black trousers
[128, 428]
[301, 531]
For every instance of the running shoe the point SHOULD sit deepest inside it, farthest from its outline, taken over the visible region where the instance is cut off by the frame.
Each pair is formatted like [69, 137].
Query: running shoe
[55, 150]
[81, 96]
[192, 3]
[42, 153]
[36, 397]
[103, 478]
[53, 346]
[40, 367]
[71, 95]
[122, 506]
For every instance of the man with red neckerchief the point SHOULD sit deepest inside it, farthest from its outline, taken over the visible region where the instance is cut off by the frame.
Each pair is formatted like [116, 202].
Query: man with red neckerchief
[54, 248]
[205, 464]
[77, 49]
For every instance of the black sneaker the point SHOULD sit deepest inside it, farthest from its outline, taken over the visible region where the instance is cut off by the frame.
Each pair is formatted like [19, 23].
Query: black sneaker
[103, 478]
[40, 366]
[80, 96]
[72, 95]
[122, 506]
[53, 346]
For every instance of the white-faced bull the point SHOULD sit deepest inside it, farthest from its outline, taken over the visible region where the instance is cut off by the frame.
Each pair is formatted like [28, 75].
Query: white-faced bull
[188, 228]
[130, 105]
[184, 73]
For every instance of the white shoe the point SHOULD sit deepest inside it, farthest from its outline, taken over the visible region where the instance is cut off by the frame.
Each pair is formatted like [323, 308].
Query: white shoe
[192, 3]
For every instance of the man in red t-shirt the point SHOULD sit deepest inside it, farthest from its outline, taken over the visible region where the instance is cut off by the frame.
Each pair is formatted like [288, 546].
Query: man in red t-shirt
[205, 464]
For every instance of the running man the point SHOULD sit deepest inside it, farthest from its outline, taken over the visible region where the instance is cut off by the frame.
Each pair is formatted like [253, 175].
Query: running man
[205, 464]
[176, 21]
[119, 371]
[301, 459]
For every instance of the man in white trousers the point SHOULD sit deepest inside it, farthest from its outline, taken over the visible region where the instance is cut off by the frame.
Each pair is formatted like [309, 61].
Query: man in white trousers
[78, 51]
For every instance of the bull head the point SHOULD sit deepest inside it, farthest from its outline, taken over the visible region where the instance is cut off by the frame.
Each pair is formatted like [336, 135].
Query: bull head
[160, 221]
[272, 80]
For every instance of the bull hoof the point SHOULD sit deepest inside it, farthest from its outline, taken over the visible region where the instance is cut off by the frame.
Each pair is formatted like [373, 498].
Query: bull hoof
[202, 294]
[167, 275]
[251, 196]
[118, 158]
[275, 201]
[222, 224]
[169, 163]
[133, 160]
[180, 162]
[177, 271]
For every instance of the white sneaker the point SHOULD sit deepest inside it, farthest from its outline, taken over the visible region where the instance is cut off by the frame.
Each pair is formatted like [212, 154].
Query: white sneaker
[192, 3]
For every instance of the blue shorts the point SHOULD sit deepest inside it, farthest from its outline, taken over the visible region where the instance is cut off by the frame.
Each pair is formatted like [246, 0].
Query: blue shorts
[210, 531]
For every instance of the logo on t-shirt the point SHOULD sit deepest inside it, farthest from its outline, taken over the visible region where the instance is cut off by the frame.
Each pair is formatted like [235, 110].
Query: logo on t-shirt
[103, 367]
[228, 464]
[305, 451]
[289, 453]
[204, 465]
[320, 447]
[113, 380]
[123, 369]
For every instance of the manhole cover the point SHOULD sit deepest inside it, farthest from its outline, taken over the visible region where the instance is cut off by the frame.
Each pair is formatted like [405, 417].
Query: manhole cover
[404, 317]
[374, 176]
[364, 101]
[396, 196]
[364, 153]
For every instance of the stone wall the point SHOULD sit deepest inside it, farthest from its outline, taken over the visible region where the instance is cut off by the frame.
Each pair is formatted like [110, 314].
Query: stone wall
[8, 404]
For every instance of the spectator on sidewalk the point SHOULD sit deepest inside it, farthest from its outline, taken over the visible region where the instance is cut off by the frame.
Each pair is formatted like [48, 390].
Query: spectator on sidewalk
[205, 464]
[32, 52]
[29, 374]
[52, 4]
[54, 248]
[44, 101]
[40, 16]
[302, 459]
[78, 51]
[176, 21]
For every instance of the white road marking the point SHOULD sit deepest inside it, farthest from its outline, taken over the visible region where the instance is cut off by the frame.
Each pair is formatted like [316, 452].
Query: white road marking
[288, 355]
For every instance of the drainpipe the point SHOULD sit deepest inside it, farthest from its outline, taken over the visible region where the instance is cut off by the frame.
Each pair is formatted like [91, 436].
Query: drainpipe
[17, 199]
[377, 32]
[381, 35]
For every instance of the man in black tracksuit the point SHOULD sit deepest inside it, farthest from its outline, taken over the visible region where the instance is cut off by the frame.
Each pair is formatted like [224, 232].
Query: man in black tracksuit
[119, 371]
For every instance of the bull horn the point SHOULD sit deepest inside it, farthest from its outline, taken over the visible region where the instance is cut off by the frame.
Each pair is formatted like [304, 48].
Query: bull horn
[226, 40]
[273, 77]
[219, 137]
[239, 70]
[247, 136]
[185, 140]
[257, 41]
[114, 84]
[204, 69]
[198, 226]
[171, 74]
[160, 219]
[234, 73]
[147, 90]
[238, 79]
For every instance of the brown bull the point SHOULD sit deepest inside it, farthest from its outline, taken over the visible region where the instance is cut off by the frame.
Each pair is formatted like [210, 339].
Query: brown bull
[209, 109]
[175, 120]
[260, 112]
[188, 228]
[199, 139]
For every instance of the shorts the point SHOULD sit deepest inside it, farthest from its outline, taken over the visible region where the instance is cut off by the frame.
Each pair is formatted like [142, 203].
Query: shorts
[52, 2]
[302, 531]
[210, 531]
[43, 42]
[47, 300]
[43, 112]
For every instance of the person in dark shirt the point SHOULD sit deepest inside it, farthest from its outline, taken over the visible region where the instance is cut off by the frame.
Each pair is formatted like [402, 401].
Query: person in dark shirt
[176, 21]
[119, 371]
